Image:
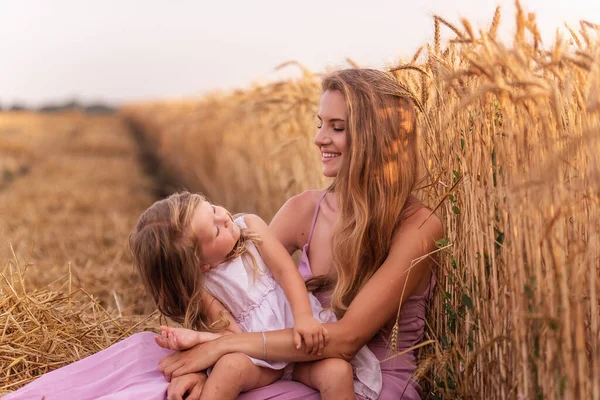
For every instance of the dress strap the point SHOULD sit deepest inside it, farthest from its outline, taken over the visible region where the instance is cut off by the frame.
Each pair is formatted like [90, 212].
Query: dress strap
[314, 220]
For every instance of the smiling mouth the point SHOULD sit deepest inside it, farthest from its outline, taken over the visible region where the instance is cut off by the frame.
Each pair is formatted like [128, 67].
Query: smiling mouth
[328, 156]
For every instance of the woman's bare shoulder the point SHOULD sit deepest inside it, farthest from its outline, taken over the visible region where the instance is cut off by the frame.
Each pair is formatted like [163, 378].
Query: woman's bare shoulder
[412, 206]
[302, 204]
[292, 222]
[416, 215]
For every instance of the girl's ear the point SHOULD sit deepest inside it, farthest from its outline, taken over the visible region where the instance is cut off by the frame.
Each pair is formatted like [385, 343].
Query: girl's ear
[205, 267]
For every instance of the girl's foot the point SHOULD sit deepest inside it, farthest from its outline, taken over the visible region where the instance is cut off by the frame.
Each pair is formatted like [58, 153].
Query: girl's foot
[182, 338]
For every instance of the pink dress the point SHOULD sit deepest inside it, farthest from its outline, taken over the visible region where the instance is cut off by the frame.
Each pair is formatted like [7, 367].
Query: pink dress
[128, 369]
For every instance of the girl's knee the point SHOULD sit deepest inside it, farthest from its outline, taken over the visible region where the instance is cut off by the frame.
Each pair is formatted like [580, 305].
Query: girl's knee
[234, 362]
[335, 368]
[333, 378]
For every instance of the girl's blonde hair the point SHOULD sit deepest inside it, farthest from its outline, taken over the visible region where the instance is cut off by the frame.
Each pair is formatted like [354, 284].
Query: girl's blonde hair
[169, 260]
[378, 174]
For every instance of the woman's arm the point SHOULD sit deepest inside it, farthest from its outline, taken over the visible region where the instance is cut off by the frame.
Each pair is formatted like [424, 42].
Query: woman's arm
[279, 344]
[394, 282]
[216, 311]
[291, 224]
[407, 265]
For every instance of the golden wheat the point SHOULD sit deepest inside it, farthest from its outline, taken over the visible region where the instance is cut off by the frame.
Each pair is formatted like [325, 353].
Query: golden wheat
[510, 137]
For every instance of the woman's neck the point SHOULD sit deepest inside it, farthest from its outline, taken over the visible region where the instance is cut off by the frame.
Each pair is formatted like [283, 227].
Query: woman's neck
[332, 201]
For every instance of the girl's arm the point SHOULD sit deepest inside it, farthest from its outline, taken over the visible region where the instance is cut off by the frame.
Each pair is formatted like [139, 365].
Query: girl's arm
[216, 310]
[284, 270]
[408, 264]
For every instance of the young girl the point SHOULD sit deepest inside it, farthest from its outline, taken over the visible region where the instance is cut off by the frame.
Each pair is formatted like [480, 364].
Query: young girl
[216, 274]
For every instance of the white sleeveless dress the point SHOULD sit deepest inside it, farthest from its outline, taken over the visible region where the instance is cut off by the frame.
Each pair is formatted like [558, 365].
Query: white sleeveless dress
[258, 303]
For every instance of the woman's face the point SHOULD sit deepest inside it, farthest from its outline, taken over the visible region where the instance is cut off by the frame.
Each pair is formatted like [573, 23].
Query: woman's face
[331, 137]
[216, 232]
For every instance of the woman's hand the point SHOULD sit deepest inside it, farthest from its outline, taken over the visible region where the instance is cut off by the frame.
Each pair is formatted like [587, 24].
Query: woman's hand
[198, 358]
[188, 383]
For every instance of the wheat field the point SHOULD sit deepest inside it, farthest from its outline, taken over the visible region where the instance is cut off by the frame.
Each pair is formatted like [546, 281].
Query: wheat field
[509, 137]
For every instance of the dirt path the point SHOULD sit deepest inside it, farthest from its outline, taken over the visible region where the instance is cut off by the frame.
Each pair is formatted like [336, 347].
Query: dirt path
[71, 189]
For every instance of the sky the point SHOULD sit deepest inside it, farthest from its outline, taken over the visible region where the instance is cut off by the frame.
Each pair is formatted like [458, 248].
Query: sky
[121, 51]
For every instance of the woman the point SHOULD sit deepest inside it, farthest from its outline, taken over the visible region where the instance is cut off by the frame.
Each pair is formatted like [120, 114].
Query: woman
[365, 244]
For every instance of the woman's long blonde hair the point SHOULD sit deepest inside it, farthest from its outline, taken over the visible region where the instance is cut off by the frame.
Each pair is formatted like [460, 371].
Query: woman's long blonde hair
[377, 176]
[168, 258]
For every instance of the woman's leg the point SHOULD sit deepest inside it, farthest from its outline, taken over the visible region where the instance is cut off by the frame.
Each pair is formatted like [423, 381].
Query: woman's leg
[235, 373]
[332, 377]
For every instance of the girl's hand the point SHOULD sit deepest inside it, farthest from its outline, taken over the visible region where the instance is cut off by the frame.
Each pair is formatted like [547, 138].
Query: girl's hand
[189, 383]
[313, 333]
[181, 338]
[198, 358]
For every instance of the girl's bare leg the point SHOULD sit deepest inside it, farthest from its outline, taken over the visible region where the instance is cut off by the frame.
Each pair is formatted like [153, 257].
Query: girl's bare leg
[332, 377]
[235, 373]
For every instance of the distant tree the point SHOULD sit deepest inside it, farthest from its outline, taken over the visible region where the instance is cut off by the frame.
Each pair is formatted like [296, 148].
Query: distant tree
[18, 107]
[98, 108]
[68, 106]
[49, 108]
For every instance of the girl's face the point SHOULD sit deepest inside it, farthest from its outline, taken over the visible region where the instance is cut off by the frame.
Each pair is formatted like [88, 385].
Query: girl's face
[216, 232]
[331, 137]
